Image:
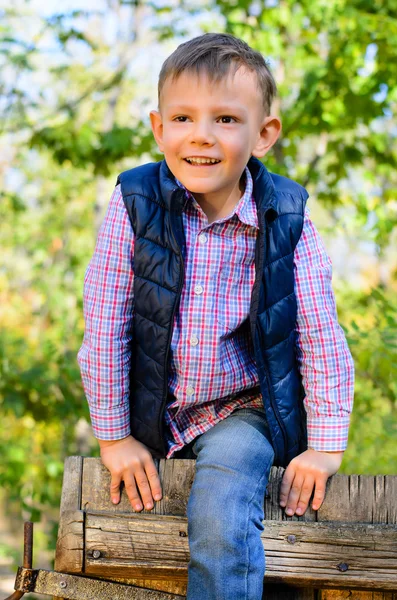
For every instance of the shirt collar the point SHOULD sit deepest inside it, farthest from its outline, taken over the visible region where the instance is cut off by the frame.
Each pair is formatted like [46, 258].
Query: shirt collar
[245, 209]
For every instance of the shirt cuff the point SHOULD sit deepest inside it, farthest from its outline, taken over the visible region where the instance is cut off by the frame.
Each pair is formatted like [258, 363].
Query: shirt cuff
[327, 434]
[110, 423]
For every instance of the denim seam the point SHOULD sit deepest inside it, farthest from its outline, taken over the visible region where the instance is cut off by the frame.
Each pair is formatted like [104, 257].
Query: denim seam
[246, 533]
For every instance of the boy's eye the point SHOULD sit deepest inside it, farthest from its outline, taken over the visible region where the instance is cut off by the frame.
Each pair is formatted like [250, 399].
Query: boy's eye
[180, 119]
[226, 119]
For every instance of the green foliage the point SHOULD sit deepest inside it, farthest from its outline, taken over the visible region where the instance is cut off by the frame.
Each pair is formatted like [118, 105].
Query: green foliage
[84, 146]
[372, 335]
[7, 551]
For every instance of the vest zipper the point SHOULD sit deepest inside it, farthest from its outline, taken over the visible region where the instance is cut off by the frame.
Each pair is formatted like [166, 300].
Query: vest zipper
[260, 256]
[165, 392]
[274, 406]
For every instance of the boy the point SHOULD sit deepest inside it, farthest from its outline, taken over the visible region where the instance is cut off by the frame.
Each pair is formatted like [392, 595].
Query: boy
[211, 328]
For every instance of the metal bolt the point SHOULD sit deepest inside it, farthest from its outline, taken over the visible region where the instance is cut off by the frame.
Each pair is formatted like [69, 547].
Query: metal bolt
[96, 554]
[63, 584]
[291, 539]
[342, 567]
[182, 534]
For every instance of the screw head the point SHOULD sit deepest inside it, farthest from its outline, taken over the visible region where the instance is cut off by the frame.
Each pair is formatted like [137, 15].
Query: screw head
[63, 584]
[182, 534]
[342, 567]
[96, 554]
[291, 539]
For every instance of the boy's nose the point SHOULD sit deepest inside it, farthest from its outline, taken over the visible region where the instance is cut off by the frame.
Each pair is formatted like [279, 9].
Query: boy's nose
[202, 134]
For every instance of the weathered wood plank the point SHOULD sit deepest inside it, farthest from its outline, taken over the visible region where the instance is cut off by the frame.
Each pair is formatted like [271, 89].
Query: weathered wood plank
[69, 553]
[357, 595]
[95, 489]
[176, 478]
[70, 501]
[360, 498]
[71, 486]
[133, 544]
[353, 498]
[305, 554]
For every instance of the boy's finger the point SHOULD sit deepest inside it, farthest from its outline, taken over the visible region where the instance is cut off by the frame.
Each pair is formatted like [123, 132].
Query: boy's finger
[294, 495]
[154, 481]
[144, 488]
[115, 488]
[132, 492]
[319, 493]
[306, 492]
[286, 485]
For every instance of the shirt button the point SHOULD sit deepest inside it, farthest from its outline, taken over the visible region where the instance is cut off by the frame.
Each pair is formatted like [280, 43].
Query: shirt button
[190, 390]
[202, 238]
[194, 340]
[198, 289]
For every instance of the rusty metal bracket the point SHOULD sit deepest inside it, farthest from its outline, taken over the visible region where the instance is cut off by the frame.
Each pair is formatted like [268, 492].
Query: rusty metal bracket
[27, 556]
[77, 587]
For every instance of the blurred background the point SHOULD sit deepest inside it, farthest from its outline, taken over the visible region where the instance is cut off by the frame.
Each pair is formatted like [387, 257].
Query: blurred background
[77, 82]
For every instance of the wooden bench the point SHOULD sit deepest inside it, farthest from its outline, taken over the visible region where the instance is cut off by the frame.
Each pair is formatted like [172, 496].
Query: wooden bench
[106, 552]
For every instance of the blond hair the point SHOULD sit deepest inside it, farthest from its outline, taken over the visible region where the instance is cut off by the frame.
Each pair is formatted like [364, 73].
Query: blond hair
[217, 55]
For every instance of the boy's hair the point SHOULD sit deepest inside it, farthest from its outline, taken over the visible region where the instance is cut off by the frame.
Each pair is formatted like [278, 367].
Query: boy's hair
[216, 54]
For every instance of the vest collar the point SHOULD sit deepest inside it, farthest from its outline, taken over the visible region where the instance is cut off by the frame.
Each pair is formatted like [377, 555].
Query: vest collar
[173, 195]
[263, 186]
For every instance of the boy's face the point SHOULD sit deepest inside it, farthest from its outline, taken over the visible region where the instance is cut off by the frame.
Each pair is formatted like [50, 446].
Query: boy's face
[203, 120]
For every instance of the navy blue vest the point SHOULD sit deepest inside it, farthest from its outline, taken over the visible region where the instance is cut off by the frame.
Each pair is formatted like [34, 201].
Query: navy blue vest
[155, 204]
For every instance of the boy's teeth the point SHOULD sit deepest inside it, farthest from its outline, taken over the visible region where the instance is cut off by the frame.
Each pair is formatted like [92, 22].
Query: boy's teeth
[202, 160]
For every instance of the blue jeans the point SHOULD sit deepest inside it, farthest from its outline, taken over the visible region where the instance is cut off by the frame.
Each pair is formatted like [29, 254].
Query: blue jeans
[225, 509]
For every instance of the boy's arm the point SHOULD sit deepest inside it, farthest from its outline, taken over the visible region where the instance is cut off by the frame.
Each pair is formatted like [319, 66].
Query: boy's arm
[327, 371]
[105, 356]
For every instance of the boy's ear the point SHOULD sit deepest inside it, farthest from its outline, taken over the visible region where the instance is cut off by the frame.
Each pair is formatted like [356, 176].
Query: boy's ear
[267, 136]
[157, 128]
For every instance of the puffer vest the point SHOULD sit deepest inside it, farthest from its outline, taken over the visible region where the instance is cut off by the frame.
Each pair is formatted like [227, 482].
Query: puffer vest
[155, 203]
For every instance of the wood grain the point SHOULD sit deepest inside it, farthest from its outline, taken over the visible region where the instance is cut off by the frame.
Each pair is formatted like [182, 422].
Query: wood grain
[71, 486]
[71, 536]
[69, 553]
[360, 498]
[304, 554]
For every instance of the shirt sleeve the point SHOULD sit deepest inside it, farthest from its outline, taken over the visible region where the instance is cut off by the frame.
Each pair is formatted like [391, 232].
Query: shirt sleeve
[324, 359]
[104, 357]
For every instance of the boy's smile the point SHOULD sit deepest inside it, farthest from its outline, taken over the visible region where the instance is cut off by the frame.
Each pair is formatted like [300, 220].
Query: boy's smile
[208, 131]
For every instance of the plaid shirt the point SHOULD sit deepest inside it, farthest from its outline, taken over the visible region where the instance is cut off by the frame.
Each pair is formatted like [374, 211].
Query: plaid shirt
[212, 368]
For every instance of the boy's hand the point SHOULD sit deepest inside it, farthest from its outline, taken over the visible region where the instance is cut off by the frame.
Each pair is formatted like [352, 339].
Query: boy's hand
[130, 461]
[308, 470]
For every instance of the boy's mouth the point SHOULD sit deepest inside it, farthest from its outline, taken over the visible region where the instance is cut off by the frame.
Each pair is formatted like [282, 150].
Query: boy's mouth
[201, 161]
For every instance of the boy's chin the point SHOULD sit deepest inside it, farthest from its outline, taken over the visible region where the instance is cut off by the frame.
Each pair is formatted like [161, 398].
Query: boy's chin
[196, 188]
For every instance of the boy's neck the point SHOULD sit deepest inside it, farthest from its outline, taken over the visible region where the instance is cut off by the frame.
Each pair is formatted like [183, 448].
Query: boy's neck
[216, 207]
